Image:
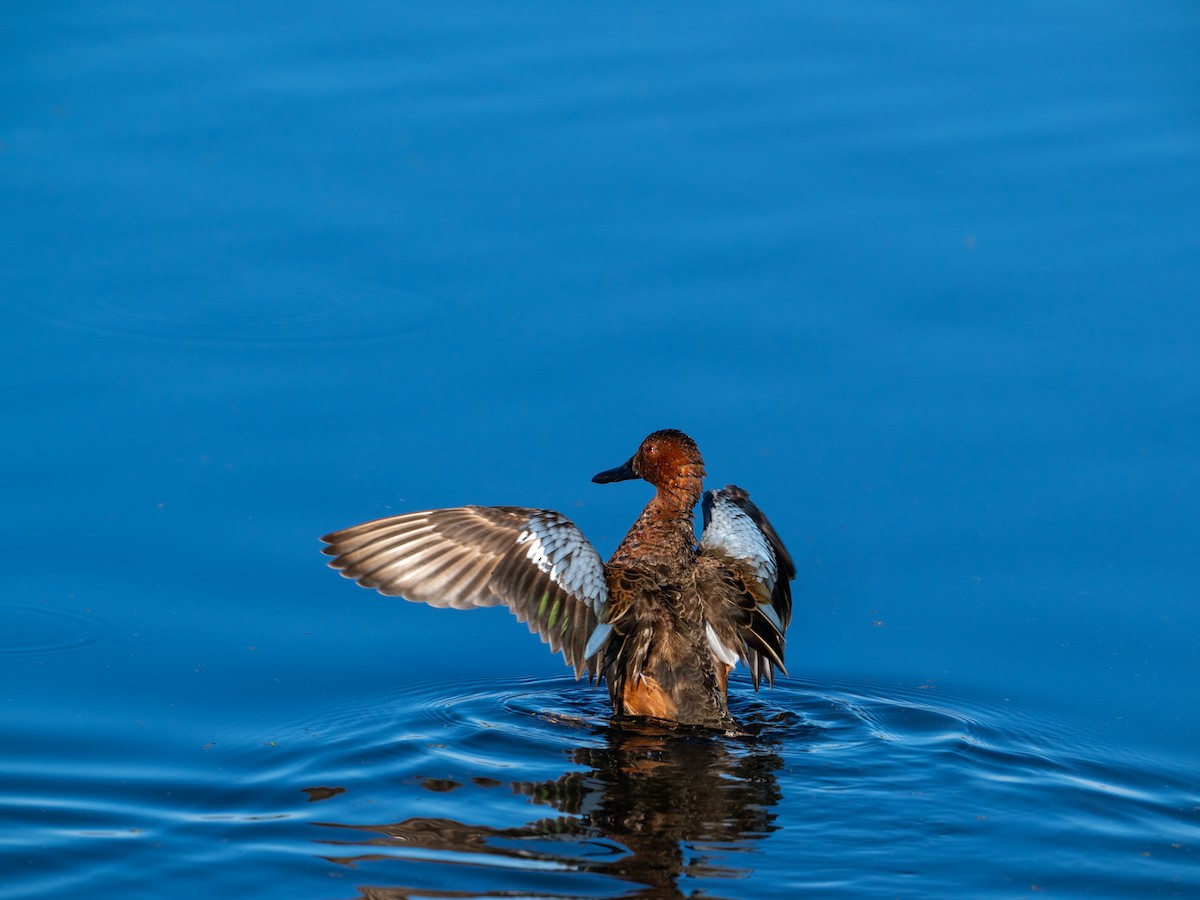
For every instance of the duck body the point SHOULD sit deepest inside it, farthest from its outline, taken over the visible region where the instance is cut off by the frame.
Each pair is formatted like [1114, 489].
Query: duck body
[663, 622]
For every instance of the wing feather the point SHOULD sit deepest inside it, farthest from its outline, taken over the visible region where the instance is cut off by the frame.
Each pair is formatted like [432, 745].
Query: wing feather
[534, 561]
[748, 564]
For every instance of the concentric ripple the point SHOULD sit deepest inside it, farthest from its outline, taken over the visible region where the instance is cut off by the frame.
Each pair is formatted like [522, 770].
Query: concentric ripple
[40, 630]
[528, 784]
[512, 773]
[235, 311]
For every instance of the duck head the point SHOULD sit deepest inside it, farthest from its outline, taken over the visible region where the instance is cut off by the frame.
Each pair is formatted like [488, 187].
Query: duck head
[665, 458]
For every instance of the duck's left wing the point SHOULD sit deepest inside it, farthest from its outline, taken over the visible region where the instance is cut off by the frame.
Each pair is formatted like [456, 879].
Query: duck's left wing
[534, 561]
[749, 572]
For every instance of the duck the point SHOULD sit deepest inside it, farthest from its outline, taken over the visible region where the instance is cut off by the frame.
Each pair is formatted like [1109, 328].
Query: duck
[663, 623]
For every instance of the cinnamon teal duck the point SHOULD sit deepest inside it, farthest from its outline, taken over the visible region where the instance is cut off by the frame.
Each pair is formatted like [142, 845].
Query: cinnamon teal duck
[663, 622]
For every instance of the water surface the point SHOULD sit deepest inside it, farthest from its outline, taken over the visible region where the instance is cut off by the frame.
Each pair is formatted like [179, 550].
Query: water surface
[922, 280]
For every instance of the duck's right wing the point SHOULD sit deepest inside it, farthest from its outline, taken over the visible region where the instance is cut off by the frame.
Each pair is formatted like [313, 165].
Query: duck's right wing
[749, 592]
[534, 561]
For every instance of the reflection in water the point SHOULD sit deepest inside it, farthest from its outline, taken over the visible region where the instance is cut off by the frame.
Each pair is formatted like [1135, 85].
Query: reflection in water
[641, 811]
[322, 793]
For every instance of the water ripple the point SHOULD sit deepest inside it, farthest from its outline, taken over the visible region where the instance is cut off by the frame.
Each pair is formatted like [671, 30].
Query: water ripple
[40, 630]
[528, 784]
[214, 309]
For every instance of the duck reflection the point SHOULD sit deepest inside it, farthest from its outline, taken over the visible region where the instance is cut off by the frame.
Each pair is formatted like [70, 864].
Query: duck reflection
[652, 806]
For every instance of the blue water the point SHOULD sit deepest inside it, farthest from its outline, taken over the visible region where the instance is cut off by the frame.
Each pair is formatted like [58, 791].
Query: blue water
[923, 279]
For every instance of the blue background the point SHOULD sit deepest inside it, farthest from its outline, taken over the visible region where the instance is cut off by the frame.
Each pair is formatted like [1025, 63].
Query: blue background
[924, 280]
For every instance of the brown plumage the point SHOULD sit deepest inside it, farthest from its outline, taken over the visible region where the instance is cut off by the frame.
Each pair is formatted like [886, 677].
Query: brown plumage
[663, 622]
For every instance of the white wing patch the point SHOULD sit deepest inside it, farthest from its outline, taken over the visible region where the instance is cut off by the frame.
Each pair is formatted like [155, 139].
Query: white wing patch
[732, 532]
[720, 651]
[560, 550]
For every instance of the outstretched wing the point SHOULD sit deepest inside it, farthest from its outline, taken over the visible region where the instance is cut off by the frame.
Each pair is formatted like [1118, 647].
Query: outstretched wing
[534, 561]
[750, 573]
